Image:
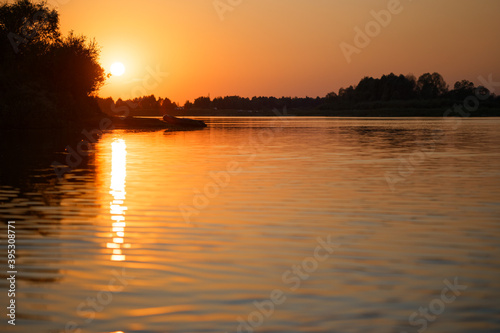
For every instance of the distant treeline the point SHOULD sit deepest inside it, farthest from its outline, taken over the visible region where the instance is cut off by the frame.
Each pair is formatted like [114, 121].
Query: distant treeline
[150, 105]
[429, 91]
[397, 93]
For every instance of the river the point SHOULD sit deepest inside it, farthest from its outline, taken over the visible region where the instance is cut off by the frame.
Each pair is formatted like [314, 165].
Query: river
[256, 225]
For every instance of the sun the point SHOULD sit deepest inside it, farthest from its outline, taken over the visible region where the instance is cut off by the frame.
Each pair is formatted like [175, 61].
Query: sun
[117, 69]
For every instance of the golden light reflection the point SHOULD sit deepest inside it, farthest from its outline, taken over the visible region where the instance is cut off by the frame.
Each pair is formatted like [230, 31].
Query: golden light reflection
[117, 208]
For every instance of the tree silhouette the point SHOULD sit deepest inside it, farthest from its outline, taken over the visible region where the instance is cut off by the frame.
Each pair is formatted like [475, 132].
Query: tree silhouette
[45, 77]
[462, 89]
[28, 27]
[202, 102]
[73, 64]
[431, 85]
[167, 105]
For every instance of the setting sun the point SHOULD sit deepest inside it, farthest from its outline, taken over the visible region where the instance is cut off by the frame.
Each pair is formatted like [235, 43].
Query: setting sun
[117, 69]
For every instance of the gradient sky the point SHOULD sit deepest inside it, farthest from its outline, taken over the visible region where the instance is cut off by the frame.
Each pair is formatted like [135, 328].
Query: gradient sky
[280, 47]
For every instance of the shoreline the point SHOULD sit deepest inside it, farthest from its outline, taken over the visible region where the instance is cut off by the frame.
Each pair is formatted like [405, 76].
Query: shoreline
[361, 113]
[148, 122]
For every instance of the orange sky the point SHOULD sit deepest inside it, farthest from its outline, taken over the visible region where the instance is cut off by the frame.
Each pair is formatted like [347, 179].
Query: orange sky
[281, 47]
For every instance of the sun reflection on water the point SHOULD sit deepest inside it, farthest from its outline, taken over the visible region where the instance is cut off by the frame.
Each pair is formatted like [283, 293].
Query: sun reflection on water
[117, 207]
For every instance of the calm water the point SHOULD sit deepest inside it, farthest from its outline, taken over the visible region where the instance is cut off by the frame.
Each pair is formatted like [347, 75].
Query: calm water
[184, 231]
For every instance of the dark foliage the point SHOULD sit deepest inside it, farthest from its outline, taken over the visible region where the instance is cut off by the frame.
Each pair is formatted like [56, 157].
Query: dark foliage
[46, 80]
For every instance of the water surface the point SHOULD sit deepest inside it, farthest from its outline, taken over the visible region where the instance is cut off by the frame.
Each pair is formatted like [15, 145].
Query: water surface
[161, 231]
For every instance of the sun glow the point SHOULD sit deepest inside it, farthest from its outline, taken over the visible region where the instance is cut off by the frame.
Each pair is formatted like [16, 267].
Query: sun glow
[117, 69]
